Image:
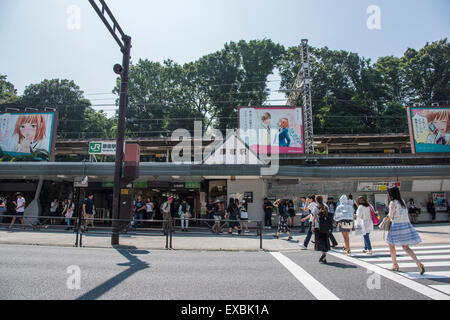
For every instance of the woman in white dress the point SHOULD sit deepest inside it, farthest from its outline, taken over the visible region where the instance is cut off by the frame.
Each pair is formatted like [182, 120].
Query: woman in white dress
[364, 221]
[401, 233]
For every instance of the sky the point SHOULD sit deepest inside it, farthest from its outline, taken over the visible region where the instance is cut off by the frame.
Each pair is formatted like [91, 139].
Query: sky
[65, 39]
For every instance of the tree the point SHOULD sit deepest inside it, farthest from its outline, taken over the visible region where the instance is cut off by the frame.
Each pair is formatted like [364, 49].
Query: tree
[8, 94]
[346, 89]
[428, 72]
[64, 96]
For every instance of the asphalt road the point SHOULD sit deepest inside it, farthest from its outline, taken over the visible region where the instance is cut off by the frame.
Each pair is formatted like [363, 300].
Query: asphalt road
[40, 272]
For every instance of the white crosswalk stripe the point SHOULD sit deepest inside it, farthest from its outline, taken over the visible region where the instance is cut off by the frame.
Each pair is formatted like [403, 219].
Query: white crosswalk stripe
[399, 248]
[407, 258]
[445, 288]
[435, 258]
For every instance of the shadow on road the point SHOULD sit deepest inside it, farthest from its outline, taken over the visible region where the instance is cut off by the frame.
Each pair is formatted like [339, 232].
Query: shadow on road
[134, 265]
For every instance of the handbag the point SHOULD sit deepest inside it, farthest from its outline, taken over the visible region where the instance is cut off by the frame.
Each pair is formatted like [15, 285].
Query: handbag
[358, 227]
[347, 225]
[385, 224]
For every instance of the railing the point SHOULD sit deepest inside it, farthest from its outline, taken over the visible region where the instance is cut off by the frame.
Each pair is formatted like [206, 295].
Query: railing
[132, 226]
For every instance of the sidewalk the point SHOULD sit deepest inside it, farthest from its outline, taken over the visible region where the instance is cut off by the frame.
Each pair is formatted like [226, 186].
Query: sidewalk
[430, 234]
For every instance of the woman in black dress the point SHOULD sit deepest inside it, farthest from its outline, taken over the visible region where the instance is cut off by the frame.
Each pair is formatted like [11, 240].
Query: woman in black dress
[291, 212]
[283, 225]
[232, 214]
[321, 225]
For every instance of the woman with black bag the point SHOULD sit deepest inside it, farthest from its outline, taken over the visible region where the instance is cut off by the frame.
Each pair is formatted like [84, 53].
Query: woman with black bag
[321, 225]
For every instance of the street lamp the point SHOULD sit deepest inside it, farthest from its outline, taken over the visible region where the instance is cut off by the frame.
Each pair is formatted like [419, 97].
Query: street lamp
[124, 43]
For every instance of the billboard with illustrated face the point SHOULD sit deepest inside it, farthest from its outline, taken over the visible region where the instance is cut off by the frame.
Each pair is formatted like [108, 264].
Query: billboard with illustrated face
[27, 133]
[429, 129]
[272, 130]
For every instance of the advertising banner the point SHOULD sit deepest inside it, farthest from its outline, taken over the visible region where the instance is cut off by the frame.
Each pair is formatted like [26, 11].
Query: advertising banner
[24, 133]
[377, 186]
[429, 129]
[272, 130]
[440, 202]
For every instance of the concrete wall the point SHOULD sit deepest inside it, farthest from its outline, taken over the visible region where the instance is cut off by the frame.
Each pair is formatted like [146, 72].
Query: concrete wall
[258, 187]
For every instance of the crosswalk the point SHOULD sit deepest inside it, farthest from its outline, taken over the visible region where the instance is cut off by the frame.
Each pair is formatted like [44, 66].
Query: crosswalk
[436, 260]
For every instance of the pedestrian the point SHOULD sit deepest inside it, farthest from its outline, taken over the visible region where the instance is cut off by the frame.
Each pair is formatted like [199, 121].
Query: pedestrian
[291, 213]
[139, 209]
[54, 205]
[309, 205]
[210, 213]
[243, 214]
[331, 210]
[363, 219]
[232, 214]
[344, 215]
[88, 210]
[3, 208]
[19, 205]
[184, 211]
[218, 214]
[303, 214]
[431, 209]
[322, 224]
[283, 225]
[149, 209]
[412, 210]
[267, 208]
[401, 232]
[350, 198]
[166, 212]
[69, 208]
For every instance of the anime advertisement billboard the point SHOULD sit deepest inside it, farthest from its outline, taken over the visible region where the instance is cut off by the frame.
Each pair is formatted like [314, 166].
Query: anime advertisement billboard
[272, 130]
[28, 133]
[429, 129]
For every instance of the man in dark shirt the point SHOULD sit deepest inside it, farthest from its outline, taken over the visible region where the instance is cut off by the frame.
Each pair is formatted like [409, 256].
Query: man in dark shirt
[88, 211]
[210, 212]
[267, 207]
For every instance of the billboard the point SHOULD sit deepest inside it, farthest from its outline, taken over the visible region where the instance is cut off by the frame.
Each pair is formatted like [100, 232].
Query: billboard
[271, 129]
[429, 129]
[24, 133]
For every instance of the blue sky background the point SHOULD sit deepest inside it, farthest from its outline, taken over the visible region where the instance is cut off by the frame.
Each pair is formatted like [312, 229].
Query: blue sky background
[37, 44]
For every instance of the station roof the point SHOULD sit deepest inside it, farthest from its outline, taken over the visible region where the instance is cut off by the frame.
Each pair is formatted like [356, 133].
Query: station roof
[100, 171]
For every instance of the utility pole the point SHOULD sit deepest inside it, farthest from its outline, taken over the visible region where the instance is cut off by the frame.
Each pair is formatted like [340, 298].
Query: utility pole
[124, 43]
[302, 84]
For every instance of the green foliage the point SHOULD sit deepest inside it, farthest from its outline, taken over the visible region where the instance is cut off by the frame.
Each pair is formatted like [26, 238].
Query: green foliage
[64, 96]
[36, 156]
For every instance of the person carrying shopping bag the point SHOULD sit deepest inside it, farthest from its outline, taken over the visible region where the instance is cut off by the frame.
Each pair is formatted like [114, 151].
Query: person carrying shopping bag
[364, 223]
[401, 231]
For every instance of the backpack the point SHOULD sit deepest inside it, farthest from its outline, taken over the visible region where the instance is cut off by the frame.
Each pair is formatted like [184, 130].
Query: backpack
[282, 210]
[163, 207]
[325, 223]
[375, 217]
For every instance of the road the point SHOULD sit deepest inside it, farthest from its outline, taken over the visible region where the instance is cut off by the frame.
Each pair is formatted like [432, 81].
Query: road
[50, 273]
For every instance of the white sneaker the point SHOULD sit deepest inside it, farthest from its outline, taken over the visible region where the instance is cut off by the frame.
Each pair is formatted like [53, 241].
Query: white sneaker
[302, 246]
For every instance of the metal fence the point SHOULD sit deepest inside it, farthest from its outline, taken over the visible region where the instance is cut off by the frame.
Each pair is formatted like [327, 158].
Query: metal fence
[81, 226]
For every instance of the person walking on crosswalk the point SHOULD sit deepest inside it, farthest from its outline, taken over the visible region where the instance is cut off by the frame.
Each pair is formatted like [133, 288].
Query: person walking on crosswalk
[401, 233]
[364, 220]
